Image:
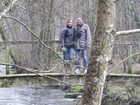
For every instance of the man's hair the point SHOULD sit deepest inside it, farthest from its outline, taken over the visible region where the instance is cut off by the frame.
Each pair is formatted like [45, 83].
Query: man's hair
[69, 20]
[79, 18]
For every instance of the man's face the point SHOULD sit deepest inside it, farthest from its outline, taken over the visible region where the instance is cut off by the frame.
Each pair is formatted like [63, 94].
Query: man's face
[70, 23]
[79, 21]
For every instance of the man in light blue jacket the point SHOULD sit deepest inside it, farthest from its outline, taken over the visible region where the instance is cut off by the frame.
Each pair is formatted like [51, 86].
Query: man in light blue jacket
[83, 43]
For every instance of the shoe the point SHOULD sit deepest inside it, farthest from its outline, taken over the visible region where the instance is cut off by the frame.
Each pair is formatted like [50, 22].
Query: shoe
[85, 71]
[77, 71]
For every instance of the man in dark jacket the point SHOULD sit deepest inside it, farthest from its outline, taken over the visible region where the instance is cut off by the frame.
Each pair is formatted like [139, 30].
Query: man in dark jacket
[67, 40]
[83, 43]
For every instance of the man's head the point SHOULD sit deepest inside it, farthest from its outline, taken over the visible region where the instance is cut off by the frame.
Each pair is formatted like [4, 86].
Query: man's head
[70, 23]
[79, 21]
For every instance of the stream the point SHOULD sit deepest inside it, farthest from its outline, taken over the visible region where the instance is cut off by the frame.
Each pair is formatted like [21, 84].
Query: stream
[33, 96]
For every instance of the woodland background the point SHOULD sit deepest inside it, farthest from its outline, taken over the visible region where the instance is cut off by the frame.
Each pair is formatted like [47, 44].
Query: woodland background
[46, 18]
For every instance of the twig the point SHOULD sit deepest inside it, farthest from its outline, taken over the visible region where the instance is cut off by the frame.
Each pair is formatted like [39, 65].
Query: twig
[2, 14]
[80, 100]
[54, 67]
[124, 60]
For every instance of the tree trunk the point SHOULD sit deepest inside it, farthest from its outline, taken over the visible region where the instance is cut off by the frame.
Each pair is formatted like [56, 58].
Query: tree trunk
[49, 33]
[101, 52]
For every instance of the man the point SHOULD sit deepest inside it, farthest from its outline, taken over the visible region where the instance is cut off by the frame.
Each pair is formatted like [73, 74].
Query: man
[83, 43]
[67, 41]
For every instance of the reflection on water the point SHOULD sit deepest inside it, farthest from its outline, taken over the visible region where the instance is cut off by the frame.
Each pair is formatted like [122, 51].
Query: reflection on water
[33, 96]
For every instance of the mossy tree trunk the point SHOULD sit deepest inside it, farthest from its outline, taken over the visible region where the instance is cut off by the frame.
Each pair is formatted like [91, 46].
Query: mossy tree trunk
[101, 52]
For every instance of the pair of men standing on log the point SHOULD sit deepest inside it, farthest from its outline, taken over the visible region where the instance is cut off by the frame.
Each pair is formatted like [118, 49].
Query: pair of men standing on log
[76, 38]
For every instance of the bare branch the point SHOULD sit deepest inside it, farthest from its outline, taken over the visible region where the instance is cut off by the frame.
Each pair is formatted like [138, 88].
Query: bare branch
[39, 39]
[33, 71]
[127, 32]
[8, 8]
[125, 60]
[34, 35]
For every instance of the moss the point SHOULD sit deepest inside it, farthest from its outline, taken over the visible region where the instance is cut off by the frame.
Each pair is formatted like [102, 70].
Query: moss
[120, 88]
[77, 88]
[124, 97]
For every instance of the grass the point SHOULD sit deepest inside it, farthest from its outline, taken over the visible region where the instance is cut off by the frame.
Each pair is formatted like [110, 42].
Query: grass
[77, 88]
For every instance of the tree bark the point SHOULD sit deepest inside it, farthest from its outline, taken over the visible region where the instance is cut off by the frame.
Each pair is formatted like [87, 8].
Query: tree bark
[101, 52]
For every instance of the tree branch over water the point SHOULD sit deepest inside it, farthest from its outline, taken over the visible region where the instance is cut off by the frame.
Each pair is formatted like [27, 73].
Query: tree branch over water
[33, 71]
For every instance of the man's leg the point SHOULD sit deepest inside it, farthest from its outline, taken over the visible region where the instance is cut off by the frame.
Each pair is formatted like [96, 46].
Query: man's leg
[85, 59]
[66, 57]
[65, 54]
[78, 61]
[71, 54]
[70, 57]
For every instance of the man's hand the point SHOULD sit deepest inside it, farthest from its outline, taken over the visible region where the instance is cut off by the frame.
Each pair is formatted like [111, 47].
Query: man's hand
[64, 49]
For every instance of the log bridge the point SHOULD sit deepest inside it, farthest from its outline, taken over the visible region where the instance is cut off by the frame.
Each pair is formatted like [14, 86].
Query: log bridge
[52, 79]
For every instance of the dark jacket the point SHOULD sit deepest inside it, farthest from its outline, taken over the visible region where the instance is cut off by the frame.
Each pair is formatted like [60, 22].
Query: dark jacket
[82, 36]
[67, 37]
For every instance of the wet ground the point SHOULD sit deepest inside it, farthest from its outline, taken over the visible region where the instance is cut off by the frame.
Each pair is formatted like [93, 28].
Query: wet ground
[33, 96]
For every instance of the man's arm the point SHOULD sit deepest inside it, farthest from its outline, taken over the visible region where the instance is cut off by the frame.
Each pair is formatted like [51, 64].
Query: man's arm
[88, 37]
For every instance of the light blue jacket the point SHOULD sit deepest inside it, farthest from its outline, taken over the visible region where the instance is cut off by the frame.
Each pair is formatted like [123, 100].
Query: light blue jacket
[82, 39]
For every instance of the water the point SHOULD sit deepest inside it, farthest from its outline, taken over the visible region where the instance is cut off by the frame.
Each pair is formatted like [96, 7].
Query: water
[33, 96]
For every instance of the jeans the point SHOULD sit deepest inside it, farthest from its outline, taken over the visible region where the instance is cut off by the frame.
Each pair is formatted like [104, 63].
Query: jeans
[84, 53]
[68, 54]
